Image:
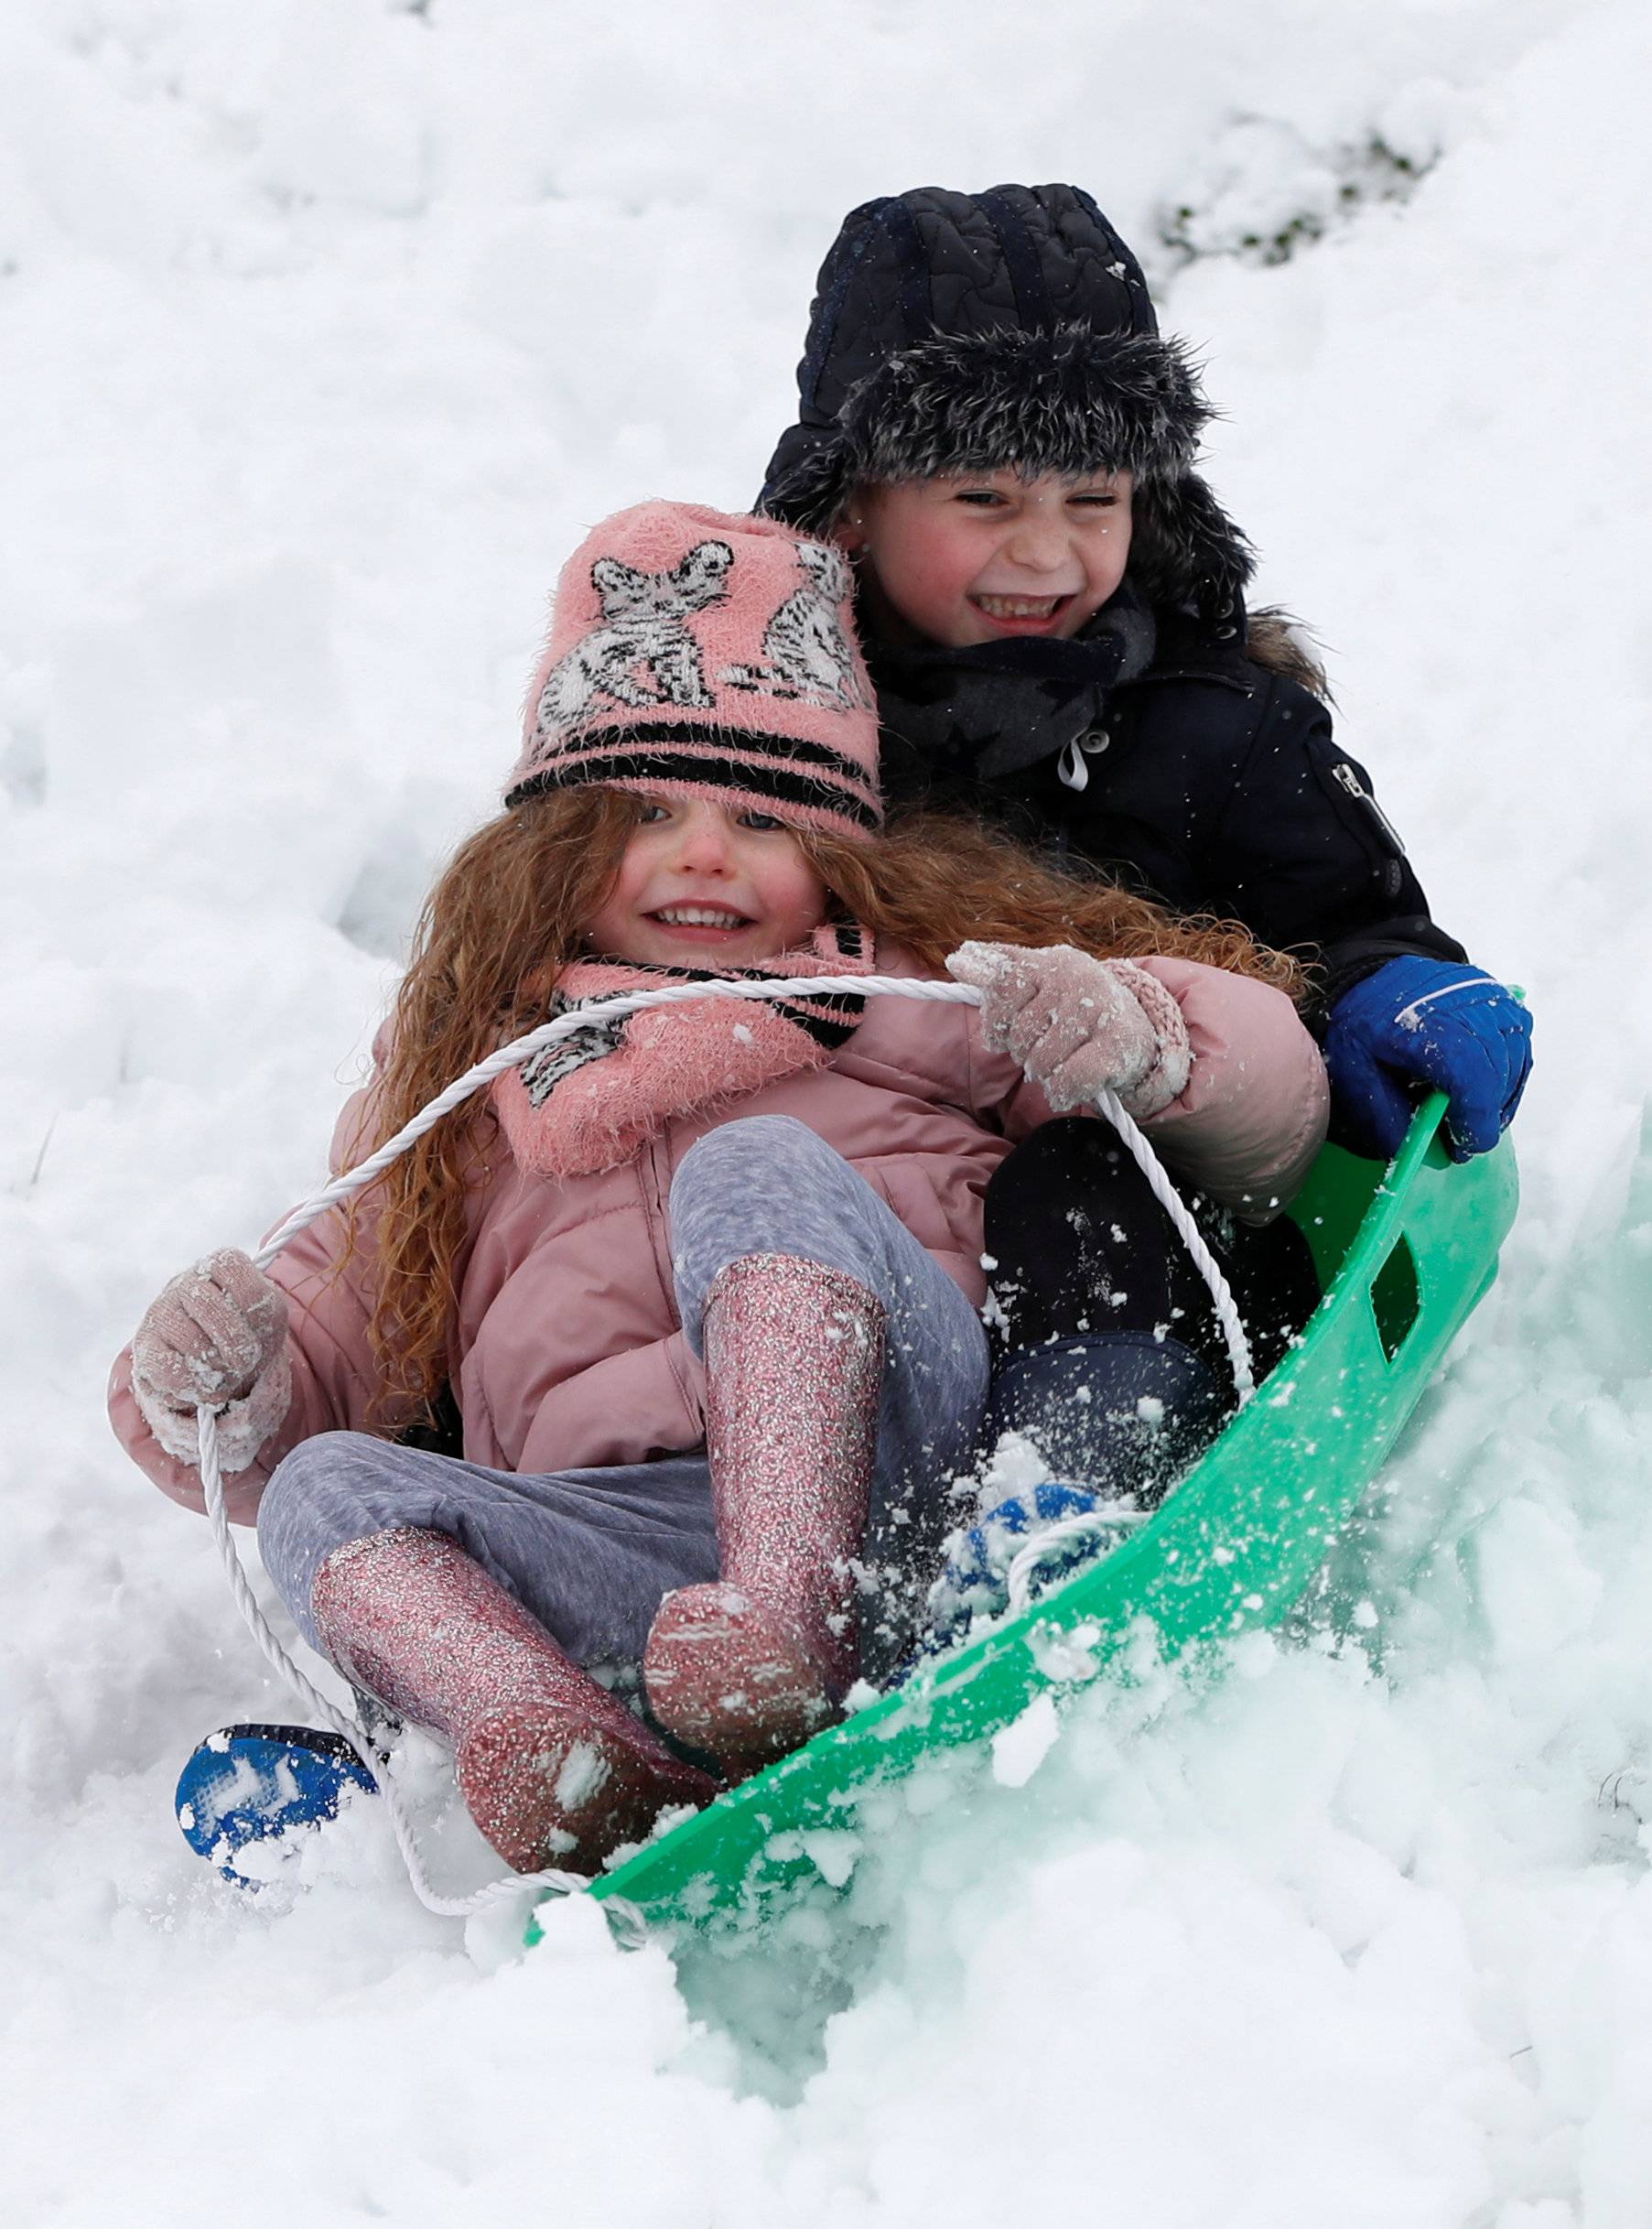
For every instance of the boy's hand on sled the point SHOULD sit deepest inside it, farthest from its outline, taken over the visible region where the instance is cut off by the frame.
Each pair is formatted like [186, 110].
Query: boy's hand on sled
[1080, 1027]
[210, 1335]
[1429, 1024]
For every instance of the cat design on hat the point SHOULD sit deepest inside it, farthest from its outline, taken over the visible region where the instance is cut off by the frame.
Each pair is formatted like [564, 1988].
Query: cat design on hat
[646, 628]
[698, 653]
[806, 650]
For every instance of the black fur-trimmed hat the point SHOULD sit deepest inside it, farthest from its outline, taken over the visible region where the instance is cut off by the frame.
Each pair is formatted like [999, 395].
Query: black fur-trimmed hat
[966, 332]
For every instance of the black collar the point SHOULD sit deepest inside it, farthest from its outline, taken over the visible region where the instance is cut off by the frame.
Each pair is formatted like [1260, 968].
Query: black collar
[999, 708]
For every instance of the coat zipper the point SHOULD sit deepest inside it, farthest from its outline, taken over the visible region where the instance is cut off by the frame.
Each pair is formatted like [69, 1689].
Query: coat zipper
[1343, 775]
[654, 1187]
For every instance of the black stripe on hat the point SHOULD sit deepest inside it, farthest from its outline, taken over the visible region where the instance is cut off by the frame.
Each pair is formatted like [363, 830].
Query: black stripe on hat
[756, 741]
[617, 765]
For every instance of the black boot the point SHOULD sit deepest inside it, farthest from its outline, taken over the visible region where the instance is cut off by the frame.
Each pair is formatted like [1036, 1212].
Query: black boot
[1120, 1412]
[1111, 1358]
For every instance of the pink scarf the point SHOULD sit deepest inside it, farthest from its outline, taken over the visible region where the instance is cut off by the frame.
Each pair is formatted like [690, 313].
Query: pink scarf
[596, 1098]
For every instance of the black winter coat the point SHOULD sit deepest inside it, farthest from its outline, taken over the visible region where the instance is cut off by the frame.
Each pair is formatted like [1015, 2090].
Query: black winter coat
[1215, 786]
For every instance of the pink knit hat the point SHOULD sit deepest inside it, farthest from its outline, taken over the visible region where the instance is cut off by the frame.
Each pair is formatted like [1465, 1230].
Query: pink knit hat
[706, 655]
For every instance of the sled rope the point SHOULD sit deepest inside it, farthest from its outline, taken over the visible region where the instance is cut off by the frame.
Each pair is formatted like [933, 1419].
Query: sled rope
[1083, 1524]
[553, 1880]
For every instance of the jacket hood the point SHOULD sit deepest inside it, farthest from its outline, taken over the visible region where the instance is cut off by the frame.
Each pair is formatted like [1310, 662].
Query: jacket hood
[956, 332]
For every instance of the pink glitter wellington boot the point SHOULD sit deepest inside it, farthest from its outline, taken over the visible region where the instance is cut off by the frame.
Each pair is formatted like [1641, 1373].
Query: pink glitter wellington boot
[552, 1768]
[747, 1667]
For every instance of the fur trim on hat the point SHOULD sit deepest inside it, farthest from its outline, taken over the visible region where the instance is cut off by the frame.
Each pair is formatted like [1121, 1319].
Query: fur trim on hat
[1185, 551]
[1071, 401]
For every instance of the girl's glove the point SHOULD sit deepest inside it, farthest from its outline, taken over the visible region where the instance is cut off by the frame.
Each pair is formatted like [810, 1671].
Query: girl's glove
[1080, 1027]
[215, 1337]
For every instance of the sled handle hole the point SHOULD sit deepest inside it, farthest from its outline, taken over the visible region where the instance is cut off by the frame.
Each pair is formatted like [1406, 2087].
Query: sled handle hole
[1396, 1298]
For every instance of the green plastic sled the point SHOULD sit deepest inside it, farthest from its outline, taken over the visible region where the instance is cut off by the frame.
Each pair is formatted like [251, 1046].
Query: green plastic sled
[1404, 1254]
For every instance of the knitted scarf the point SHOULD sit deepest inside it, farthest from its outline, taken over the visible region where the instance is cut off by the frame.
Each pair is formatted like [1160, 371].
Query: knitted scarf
[597, 1096]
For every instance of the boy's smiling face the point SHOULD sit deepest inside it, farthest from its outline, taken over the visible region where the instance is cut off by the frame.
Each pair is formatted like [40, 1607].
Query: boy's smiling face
[982, 557]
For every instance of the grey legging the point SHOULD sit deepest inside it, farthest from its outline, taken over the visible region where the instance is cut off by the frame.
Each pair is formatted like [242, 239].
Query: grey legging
[591, 1552]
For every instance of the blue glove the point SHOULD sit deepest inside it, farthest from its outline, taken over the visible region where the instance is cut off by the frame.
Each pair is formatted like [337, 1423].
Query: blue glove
[1432, 1024]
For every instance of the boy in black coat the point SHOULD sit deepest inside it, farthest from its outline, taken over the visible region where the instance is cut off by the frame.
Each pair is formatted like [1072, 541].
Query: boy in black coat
[1053, 603]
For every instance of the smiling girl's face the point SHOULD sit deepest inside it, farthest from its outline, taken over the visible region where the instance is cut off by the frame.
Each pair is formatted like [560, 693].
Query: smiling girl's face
[707, 885]
[981, 558]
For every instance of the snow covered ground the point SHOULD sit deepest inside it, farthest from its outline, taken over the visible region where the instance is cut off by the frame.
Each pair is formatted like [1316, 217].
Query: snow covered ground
[325, 327]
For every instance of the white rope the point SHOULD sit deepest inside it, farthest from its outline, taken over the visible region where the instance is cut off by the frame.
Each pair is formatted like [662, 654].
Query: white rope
[475, 1079]
[1193, 1237]
[1024, 1569]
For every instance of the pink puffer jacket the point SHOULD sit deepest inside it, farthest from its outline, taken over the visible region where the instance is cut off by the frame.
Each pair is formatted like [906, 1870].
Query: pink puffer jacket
[567, 1351]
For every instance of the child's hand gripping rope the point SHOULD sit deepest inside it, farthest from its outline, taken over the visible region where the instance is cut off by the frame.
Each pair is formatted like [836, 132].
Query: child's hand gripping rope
[214, 1337]
[1080, 1027]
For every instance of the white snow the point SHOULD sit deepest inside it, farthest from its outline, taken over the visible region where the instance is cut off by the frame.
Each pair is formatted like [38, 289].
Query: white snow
[327, 326]
[1021, 1746]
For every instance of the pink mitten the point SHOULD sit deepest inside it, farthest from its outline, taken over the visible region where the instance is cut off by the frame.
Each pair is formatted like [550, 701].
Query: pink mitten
[1080, 1027]
[215, 1337]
